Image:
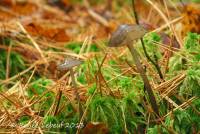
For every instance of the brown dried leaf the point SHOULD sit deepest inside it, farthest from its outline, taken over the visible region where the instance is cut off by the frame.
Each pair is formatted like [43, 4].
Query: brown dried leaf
[95, 128]
[55, 34]
[24, 8]
[191, 19]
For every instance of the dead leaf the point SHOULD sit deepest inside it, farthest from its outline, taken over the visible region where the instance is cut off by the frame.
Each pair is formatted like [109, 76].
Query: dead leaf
[95, 128]
[6, 2]
[54, 34]
[24, 8]
[191, 19]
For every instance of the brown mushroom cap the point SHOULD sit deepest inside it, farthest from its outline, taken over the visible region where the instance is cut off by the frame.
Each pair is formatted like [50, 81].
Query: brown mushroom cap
[125, 34]
[69, 63]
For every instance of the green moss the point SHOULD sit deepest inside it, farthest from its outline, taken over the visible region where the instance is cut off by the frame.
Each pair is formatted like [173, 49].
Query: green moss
[76, 47]
[92, 89]
[38, 87]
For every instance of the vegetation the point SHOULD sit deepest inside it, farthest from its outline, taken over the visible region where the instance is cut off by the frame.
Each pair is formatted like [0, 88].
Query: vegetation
[113, 95]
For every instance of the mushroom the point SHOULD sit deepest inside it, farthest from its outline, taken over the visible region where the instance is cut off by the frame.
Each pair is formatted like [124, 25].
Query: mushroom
[124, 36]
[68, 65]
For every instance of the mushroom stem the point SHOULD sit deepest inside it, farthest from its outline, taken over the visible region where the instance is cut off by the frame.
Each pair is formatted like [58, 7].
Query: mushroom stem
[76, 92]
[147, 85]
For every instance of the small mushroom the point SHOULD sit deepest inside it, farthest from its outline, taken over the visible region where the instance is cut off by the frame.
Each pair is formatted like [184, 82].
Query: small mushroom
[68, 65]
[124, 36]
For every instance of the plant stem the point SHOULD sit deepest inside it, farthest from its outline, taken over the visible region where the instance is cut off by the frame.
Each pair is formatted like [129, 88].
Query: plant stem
[58, 102]
[147, 85]
[143, 46]
[76, 92]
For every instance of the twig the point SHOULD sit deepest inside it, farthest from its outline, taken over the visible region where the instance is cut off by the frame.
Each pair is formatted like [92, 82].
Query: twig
[59, 95]
[8, 61]
[89, 100]
[154, 5]
[143, 46]
[166, 25]
[19, 74]
[185, 104]
[33, 41]
[17, 128]
[95, 15]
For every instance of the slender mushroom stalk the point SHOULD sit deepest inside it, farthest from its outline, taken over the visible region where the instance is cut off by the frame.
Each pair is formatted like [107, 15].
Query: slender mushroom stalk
[68, 65]
[125, 35]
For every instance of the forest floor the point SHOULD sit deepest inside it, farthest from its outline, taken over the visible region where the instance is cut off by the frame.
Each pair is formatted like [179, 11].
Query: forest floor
[59, 75]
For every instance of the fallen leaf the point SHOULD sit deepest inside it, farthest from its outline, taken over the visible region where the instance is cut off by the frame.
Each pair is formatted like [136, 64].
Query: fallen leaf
[95, 128]
[191, 20]
[24, 8]
[54, 34]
